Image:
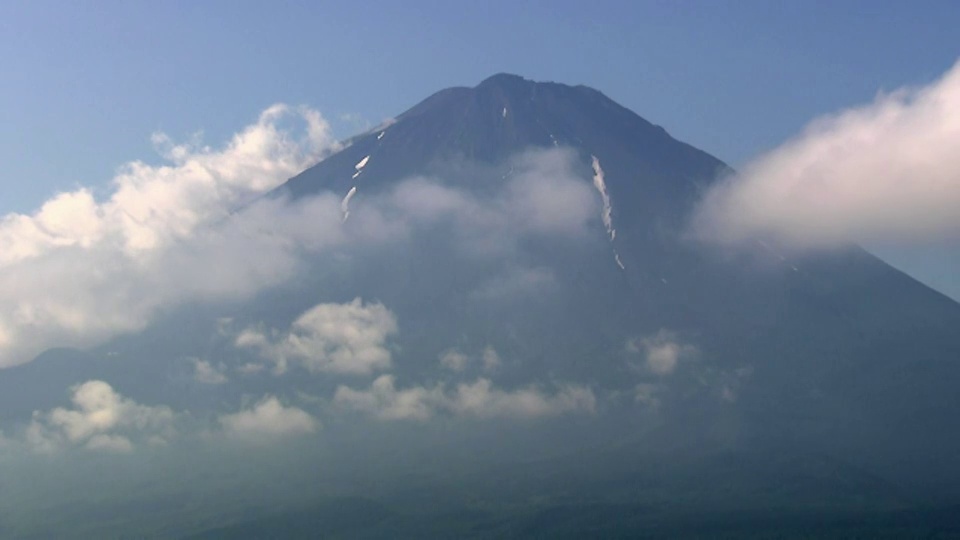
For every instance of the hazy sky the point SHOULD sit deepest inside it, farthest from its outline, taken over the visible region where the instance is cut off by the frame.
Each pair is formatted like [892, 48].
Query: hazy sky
[86, 83]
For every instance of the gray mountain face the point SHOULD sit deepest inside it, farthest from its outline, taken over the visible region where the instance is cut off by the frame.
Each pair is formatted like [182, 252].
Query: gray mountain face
[750, 378]
[836, 353]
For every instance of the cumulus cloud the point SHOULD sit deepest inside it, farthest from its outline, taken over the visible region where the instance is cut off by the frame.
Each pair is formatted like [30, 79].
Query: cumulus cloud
[457, 361]
[386, 402]
[454, 360]
[268, 419]
[483, 400]
[80, 269]
[100, 419]
[206, 373]
[479, 399]
[887, 171]
[661, 352]
[338, 338]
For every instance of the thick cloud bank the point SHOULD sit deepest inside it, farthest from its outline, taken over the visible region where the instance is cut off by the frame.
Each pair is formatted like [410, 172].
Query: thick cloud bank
[886, 171]
[80, 270]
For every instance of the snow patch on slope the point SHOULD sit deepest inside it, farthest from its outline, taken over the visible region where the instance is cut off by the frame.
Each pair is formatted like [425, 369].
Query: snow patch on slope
[359, 167]
[345, 203]
[607, 213]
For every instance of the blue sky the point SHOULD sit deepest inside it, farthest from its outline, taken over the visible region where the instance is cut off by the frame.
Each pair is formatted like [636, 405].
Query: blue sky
[86, 83]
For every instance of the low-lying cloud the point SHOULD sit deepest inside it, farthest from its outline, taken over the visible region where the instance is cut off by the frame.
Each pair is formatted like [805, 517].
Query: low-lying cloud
[479, 399]
[268, 419]
[100, 419]
[338, 338]
[661, 352]
[887, 171]
[81, 271]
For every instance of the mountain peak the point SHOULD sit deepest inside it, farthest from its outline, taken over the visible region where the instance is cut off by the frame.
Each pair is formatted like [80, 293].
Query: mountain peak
[506, 114]
[504, 79]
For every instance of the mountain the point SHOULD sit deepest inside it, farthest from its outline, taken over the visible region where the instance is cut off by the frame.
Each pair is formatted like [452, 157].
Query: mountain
[737, 383]
[845, 354]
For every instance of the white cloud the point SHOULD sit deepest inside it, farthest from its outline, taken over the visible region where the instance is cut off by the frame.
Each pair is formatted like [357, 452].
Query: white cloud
[483, 400]
[80, 270]
[101, 419]
[544, 195]
[267, 419]
[206, 373]
[661, 352]
[454, 360]
[478, 399]
[338, 338]
[887, 171]
[384, 401]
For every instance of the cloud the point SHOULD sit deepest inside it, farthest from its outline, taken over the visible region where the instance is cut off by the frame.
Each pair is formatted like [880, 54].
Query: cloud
[483, 400]
[100, 419]
[887, 171]
[547, 196]
[267, 419]
[647, 394]
[661, 352]
[490, 358]
[478, 399]
[385, 402]
[454, 360]
[337, 338]
[206, 373]
[544, 195]
[80, 270]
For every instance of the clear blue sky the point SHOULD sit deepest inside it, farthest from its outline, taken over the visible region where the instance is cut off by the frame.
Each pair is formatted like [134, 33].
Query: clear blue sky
[85, 83]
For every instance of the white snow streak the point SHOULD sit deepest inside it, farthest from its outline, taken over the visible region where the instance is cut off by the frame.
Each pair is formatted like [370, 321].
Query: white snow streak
[362, 163]
[380, 136]
[504, 112]
[345, 203]
[607, 213]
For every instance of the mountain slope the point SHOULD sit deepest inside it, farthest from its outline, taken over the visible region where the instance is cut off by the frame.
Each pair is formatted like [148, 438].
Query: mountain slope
[845, 354]
[756, 380]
